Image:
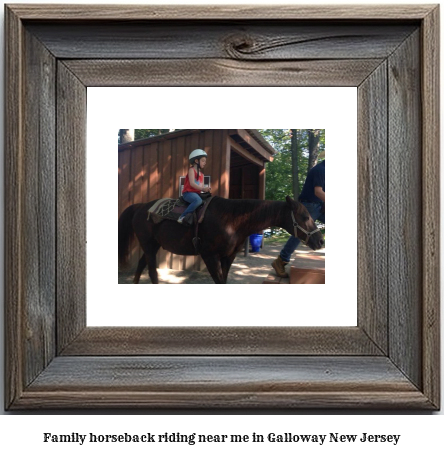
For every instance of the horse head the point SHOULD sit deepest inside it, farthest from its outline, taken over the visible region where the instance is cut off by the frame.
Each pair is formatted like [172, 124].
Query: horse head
[303, 226]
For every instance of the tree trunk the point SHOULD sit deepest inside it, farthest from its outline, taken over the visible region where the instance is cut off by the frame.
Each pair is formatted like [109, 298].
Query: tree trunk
[313, 147]
[295, 163]
[126, 135]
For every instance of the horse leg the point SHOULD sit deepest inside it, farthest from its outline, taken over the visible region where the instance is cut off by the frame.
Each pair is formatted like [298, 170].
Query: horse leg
[214, 268]
[150, 254]
[140, 268]
[226, 263]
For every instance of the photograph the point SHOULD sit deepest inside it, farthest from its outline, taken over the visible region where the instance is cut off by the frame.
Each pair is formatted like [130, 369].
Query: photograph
[242, 206]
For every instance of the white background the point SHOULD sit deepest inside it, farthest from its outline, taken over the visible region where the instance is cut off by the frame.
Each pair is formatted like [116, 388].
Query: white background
[419, 435]
[422, 434]
[332, 304]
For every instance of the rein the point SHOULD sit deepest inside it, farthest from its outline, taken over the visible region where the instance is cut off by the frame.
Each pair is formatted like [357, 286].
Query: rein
[308, 233]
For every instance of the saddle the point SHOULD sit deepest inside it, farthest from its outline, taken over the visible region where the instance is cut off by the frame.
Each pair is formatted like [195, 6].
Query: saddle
[171, 209]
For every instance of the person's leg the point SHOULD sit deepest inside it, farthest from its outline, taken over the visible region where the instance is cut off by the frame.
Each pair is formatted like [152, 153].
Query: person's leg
[290, 246]
[284, 257]
[293, 242]
[195, 201]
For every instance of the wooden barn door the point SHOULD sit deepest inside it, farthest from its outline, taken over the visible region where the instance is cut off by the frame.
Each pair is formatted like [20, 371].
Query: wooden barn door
[245, 179]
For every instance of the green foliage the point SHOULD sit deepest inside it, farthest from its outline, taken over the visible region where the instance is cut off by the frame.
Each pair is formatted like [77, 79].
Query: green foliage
[322, 141]
[143, 133]
[276, 235]
[279, 171]
[275, 232]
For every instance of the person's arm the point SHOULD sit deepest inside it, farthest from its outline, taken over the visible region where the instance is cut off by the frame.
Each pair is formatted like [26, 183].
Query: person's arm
[319, 193]
[193, 184]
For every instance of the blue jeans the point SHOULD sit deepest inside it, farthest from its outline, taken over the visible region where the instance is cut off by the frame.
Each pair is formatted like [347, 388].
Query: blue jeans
[315, 210]
[195, 201]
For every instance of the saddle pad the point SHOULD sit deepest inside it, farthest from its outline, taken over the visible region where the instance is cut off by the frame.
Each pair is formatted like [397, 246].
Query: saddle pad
[161, 209]
[172, 209]
[158, 204]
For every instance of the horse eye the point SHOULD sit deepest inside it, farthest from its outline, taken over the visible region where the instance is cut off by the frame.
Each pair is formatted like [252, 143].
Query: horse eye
[305, 218]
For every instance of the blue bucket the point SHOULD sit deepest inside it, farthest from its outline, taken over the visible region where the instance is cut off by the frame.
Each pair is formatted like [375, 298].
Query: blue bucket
[256, 242]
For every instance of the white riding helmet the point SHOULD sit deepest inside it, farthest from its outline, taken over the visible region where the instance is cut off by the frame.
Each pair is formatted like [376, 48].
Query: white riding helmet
[197, 153]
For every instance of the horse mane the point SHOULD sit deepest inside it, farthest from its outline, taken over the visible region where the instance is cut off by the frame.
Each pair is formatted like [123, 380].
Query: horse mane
[239, 207]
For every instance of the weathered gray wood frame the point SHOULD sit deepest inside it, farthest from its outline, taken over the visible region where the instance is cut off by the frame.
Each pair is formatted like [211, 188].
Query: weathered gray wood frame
[390, 360]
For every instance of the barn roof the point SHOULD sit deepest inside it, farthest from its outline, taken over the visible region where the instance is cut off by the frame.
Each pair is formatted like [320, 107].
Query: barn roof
[250, 140]
[262, 141]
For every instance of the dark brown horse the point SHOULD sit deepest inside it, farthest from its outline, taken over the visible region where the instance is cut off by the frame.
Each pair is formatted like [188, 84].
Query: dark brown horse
[223, 231]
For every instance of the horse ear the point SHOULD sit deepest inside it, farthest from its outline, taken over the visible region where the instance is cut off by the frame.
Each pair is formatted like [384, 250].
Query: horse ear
[294, 205]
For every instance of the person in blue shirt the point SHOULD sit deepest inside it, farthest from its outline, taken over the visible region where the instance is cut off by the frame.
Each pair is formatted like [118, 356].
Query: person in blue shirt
[313, 198]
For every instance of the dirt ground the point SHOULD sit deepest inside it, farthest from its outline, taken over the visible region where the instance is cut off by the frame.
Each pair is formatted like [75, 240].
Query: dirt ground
[251, 269]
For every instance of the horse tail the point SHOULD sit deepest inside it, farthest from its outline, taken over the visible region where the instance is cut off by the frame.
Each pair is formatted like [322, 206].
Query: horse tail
[126, 233]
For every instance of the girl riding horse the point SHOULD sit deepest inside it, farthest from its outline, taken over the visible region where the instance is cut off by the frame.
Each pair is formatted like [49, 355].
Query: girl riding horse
[194, 182]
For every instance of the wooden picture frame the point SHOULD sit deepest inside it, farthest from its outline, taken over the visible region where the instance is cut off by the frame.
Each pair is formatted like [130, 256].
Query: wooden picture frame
[390, 360]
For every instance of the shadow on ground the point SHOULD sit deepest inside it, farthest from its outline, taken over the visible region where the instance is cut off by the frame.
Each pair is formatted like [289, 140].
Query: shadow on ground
[251, 269]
